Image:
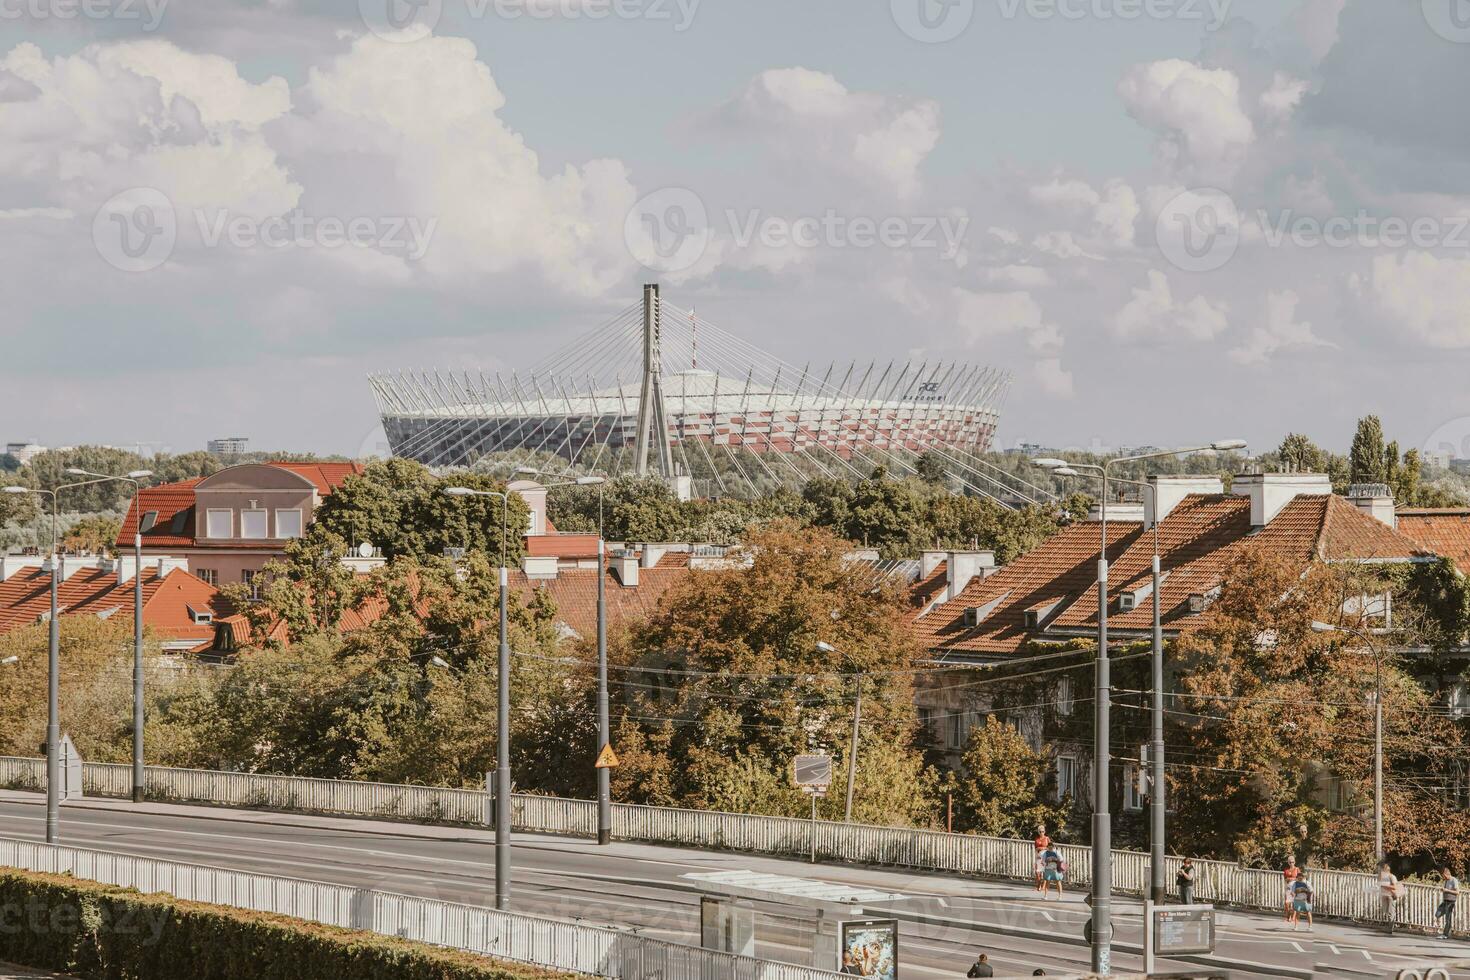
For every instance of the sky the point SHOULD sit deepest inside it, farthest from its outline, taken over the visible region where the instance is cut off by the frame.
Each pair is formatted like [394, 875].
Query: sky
[1173, 221]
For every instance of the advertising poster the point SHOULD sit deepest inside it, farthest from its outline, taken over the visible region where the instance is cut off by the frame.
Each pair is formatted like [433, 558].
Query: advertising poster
[868, 948]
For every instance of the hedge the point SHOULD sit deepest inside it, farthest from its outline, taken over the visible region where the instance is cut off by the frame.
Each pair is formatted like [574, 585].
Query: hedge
[101, 932]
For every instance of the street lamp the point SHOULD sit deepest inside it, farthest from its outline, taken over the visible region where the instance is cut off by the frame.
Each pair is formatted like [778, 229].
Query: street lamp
[7, 661]
[135, 477]
[53, 668]
[604, 725]
[1367, 637]
[1102, 828]
[857, 718]
[502, 740]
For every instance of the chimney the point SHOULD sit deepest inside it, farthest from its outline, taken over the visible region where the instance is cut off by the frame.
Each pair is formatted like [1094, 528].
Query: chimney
[1375, 500]
[544, 567]
[534, 494]
[963, 567]
[652, 553]
[13, 565]
[1171, 491]
[929, 562]
[1117, 511]
[625, 567]
[1269, 492]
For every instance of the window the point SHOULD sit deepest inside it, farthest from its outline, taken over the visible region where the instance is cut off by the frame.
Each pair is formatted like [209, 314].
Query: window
[252, 579]
[1065, 698]
[201, 615]
[1132, 796]
[219, 524]
[207, 575]
[1066, 776]
[959, 729]
[288, 523]
[149, 521]
[253, 524]
[180, 521]
[926, 722]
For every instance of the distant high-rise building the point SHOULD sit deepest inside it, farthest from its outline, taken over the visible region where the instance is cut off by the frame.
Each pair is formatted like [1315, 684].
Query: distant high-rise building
[24, 452]
[230, 446]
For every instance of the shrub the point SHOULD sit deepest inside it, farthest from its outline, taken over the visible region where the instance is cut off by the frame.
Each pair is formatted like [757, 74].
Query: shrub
[101, 932]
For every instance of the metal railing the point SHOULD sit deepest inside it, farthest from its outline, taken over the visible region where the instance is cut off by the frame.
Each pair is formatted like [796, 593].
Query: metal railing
[507, 935]
[1342, 894]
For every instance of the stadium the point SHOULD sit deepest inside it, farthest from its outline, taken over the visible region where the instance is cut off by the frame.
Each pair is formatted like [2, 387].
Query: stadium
[657, 391]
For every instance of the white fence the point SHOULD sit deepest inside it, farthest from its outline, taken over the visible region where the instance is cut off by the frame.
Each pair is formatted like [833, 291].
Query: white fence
[507, 935]
[1338, 893]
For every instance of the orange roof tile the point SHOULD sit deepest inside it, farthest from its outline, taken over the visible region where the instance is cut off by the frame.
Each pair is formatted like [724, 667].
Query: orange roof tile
[1443, 531]
[575, 593]
[568, 545]
[167, 602]
[325, 476]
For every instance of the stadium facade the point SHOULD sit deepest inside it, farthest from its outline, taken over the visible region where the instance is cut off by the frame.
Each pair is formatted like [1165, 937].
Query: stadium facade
[657, 391]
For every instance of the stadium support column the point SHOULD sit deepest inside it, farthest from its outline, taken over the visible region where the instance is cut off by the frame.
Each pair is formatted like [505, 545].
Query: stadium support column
[652, 419]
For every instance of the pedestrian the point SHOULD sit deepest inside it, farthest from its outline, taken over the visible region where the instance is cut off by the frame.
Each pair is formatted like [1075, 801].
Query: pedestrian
[1185, 880]
[1301, 901]
[981, 967]
[1054, 869]
[1288, 875]
[1449, 894]
[1390, 890]
[1043, 843]
[849, 964]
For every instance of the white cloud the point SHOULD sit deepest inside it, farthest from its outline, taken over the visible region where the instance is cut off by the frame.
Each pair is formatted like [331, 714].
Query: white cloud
[1280, 101]
[810, 116]
[1019, 276]
[1110, 213]
[1197, 111]
[1153, 312]
[1279, 330]
[1421, 294]
[1052, 379]
[990, 315]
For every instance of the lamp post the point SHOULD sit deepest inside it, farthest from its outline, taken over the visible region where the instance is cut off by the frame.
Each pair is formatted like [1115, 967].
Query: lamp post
[502, 739]
[857, 720]
[1102, 828]
[1367, 637]
[604, 728]
[53, 669]
[134, 478]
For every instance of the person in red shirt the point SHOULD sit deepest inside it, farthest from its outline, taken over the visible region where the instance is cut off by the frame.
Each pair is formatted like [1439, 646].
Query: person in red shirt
[1043, 843]
[1289, 875]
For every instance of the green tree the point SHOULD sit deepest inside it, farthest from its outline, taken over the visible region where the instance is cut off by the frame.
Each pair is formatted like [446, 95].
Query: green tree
[48, 471]
[95, 534]
[1299, 454]
[932, 469]
[1367, 456]
[1001, 790]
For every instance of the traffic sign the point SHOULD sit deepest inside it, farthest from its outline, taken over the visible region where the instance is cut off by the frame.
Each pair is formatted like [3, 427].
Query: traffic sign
[607, 758]
[812, 773]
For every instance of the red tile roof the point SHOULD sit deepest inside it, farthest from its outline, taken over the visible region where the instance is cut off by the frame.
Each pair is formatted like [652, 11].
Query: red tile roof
[575, 593]
[1445, 532]
[26, 597]
[1198, 541]
[568, 545]
[325, 476]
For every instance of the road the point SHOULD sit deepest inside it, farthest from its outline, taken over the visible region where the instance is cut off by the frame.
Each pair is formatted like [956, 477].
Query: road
[945, 919]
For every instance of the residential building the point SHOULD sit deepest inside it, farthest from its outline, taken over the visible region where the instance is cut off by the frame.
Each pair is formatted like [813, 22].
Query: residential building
[229, 525]
[229, 446]
[179, 609]
[24, 452]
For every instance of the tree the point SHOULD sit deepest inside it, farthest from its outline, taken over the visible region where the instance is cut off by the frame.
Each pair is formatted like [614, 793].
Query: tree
[724, 685]
[931, 469]
[95, 534]
[48, 471]
[1299, 454]
[1000, 790]
[1367, 456]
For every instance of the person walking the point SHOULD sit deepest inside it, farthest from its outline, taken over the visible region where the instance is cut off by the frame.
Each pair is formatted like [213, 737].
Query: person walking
[1185, 880]
[1390, 890]
[1289, 875]
[1054, 869]
[981, 967]
[1449, 894]
[1302, 895]
[1043, 844]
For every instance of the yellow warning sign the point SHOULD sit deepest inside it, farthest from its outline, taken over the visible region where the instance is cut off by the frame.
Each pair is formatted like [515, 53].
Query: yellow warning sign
[607, 758]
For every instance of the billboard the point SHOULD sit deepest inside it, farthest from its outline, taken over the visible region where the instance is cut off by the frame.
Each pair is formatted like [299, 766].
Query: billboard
[868, 948]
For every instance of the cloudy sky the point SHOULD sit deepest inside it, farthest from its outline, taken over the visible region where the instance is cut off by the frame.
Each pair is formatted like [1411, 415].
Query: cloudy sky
[1171, 220]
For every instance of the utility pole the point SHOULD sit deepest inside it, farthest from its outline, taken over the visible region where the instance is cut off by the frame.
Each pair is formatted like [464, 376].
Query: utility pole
[604, 735]
[1156, 803]
[852, 752]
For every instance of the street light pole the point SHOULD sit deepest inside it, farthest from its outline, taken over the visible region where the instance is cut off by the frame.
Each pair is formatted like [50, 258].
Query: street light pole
[1102, 830]
[134, 478]
[1367, 637]
[857, 721]
[502, 738]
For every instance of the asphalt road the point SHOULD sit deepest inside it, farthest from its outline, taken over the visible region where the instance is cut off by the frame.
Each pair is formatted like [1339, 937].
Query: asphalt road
[945, 920]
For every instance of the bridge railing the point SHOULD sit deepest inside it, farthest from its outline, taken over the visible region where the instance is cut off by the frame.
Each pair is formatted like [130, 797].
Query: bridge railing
[1343, 894]
[507, 935]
